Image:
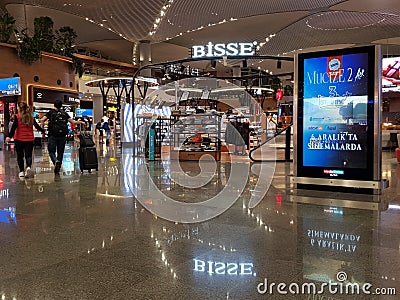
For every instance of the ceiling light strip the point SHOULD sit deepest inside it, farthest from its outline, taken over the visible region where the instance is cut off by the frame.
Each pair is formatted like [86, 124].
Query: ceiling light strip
[203, 27]
[163, 12]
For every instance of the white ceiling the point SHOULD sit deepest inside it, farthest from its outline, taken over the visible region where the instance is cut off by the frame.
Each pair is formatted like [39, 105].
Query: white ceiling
[114, 26]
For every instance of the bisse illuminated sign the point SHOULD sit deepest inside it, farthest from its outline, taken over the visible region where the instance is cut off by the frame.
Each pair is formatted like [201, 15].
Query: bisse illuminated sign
[222, 49]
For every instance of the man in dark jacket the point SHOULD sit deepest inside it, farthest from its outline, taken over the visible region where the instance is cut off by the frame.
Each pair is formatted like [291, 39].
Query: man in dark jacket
[57, 132]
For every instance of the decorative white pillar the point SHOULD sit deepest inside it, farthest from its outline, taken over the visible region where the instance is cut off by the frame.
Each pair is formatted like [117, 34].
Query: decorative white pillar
[145, 57]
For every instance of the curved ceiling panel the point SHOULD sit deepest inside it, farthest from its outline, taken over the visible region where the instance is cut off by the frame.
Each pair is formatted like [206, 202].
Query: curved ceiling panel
[190, 15]
[373, 6]
[256, 28]
[338, 27]
[86, 31]
[132, 19]
[118, 50]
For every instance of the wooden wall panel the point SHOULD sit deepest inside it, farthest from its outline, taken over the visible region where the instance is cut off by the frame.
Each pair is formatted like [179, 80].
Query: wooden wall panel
[49, 69]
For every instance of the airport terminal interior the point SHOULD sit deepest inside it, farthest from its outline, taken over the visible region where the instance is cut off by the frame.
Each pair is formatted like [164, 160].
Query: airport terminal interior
[84, 236]
[252, 150]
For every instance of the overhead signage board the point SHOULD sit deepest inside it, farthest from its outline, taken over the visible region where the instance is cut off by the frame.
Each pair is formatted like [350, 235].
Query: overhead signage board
[147, 79]
[10, 86]
[222, 49]
[335, 113]
[50, 96]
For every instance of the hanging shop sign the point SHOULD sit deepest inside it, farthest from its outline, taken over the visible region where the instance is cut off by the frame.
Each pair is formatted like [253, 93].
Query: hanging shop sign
[146, 79]
[71, 99]
[222, 49]
[10, 86]
[181, 70]
[336, 113]
[50, 96]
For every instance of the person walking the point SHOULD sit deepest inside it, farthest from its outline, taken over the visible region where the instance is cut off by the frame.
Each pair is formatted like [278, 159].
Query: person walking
[22, 131]
[57, 133]
[107, 129]
[99, 127]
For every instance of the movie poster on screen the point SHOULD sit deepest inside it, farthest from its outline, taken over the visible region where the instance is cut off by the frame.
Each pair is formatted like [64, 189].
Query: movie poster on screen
[335, 104]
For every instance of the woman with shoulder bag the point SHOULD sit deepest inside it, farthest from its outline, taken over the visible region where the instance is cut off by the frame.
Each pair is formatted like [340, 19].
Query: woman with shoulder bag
[22, 131]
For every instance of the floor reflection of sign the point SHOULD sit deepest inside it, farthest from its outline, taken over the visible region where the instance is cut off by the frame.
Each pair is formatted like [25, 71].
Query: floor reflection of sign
[68, 164]
[223, 268]
[151, 144]
[8, 215]
[333, 242]
[3, 193]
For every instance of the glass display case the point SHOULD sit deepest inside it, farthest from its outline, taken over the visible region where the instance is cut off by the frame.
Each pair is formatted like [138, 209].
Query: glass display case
[195, 135]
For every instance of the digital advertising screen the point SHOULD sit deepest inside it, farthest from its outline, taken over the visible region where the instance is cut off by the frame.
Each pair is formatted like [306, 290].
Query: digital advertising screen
[336, 114]
[391, 74]
[84, 112]
[10, 86]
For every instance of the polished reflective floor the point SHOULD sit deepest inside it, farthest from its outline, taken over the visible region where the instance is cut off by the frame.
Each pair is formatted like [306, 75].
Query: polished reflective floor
[112, 234]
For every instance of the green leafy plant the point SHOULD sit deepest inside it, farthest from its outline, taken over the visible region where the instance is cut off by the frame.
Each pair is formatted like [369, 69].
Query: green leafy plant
[64, 41]
[28, 50]
[44, 35]
[45, 39]
[6, 27]
[78, 66]
[288, 90]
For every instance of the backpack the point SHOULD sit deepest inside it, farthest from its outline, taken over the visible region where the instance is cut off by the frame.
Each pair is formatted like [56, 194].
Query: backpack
[59, 123]
[106, 127]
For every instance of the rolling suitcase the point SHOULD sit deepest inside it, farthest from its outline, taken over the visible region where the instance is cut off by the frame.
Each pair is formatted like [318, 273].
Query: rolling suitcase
[85, 140]
[88, 159]
[37, 141]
